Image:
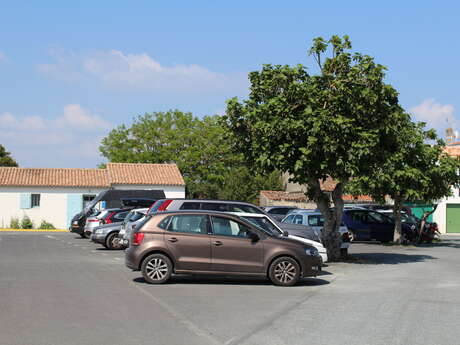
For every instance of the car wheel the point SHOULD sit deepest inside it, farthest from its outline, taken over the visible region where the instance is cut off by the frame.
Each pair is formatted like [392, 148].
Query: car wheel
[112, 241]
[284, 271]
[82, 235]
[156, 269]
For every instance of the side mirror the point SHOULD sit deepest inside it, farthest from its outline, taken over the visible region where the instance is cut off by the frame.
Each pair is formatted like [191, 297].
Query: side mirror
[253, 236]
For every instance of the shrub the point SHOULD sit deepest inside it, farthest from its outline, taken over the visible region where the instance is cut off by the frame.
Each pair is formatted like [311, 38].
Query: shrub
[26, 223]
[14, 223]
[45, 225]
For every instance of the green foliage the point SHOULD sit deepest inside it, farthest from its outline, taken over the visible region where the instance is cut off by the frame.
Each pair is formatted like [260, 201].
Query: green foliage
[26, 223]
[339, 123]
[198, 146]
[45, 225]
[14, 223]
[5, 159]
[418, 170]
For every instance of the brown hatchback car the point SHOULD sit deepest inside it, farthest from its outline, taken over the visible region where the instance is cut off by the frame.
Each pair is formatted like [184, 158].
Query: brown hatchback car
[216, 243]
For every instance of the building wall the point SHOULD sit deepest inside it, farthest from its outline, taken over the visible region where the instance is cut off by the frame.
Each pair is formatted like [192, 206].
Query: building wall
[53, 204]
[57, 205]
[440, 215]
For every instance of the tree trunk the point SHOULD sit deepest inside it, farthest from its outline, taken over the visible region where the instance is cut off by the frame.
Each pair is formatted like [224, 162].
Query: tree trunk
[423, 222]
[397, 237]
[332, 218]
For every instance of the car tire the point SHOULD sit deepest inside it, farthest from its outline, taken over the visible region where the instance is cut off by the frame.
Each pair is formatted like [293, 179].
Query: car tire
[82, 235]
[284, 271]
[156, 269]
[111, 241]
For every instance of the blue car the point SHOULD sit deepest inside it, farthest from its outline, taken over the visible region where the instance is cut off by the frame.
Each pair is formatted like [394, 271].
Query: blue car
[367, 225]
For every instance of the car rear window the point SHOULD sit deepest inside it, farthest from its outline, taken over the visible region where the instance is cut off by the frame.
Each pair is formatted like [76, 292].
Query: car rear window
[280, 210]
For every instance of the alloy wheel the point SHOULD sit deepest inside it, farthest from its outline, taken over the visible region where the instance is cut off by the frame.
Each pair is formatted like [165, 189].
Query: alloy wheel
[157, 269]
[285, 272]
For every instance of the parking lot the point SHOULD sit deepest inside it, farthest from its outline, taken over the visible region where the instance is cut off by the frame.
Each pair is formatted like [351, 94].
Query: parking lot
[57, 288]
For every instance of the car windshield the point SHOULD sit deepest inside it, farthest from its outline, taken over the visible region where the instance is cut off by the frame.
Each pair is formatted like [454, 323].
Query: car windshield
[265, 224]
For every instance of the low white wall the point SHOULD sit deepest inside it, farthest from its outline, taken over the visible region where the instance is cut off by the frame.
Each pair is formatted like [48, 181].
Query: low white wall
[53, 204]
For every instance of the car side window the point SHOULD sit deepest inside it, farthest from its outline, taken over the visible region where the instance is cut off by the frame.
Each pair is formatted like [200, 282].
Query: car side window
[227, 227]
[188, 223]
[298, 219]
[120, 216]
[313, 220]
[190, 206]
[164, 223]
[244, 208]
[214, 206]
[288, 219]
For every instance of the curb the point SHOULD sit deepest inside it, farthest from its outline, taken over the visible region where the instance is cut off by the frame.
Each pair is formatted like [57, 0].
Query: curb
[33, 230]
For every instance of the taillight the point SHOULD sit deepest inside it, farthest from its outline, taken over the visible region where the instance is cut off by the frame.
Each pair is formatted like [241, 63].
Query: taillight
[108, 219]
[93, 220]
[164, 205]
[138, 238]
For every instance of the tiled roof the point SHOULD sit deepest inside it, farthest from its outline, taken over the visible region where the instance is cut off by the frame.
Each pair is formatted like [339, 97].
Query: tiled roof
[147, 174]
[300, 197]
[53, 177]
[116, 173]
[453, 151]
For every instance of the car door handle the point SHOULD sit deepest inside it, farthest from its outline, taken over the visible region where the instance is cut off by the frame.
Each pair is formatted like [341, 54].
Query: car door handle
[173, 239]
[218, 243]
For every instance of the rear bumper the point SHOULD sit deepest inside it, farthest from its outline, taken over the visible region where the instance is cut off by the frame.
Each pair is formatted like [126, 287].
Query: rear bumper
[130, 259]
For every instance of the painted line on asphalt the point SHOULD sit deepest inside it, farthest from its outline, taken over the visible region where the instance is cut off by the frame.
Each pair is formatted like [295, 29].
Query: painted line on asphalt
[34, 230]
[182, 319]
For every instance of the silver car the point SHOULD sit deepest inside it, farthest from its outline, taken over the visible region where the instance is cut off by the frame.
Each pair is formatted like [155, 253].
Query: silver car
[128, 225]
[315, 220]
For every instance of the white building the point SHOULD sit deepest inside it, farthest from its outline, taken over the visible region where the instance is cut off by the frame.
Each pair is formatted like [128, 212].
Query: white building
[56, 195]
[447, 214]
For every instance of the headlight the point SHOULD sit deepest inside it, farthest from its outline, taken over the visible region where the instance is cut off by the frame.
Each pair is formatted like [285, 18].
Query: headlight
[75, 222]
[97, 231]
[311, 251]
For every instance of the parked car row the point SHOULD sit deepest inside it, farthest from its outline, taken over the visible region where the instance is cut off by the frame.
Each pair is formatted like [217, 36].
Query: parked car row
[210, 237]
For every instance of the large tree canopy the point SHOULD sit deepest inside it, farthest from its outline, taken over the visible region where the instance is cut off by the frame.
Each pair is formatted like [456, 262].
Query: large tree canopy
[339, 123]
[199, 148]
[5, 158]
[417, 171]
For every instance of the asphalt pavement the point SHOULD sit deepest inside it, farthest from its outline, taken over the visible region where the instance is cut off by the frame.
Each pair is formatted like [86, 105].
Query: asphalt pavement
[59, 289]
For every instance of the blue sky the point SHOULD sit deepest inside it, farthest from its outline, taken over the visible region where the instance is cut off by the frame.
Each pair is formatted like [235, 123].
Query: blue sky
[72, 71]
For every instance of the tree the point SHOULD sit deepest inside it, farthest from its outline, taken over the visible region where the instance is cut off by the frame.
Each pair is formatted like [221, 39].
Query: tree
[198, 146]
[337, 123]
[5, 159]
[418, 170]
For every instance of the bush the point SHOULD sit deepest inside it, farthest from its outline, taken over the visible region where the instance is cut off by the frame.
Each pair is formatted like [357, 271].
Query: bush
[14, 223]
[45, 225]
[26, 223]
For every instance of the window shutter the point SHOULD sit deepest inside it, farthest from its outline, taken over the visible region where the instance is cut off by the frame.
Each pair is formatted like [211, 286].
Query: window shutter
[26, 200]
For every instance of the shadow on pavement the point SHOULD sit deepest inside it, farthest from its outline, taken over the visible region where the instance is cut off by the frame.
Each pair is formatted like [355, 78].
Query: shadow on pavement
[222, 280]
[450, 243]
[387, 258]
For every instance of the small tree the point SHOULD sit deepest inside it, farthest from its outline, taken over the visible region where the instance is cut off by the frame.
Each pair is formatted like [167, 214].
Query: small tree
[5, 158]
[338, 123]
[418, 170]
